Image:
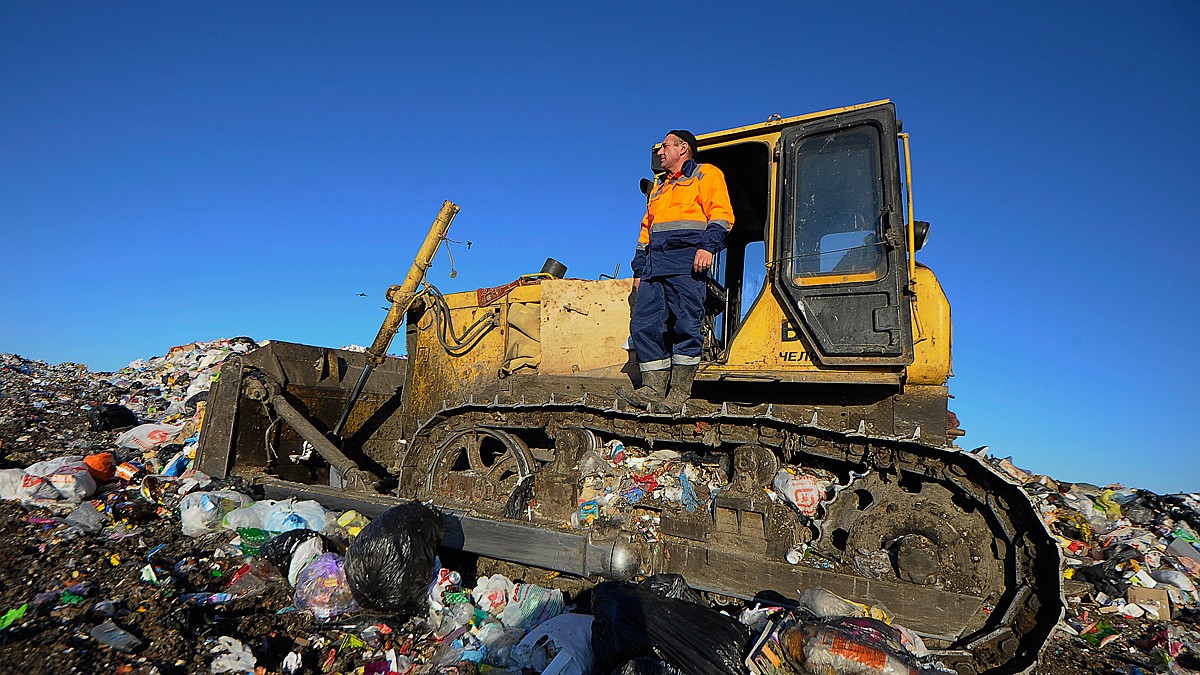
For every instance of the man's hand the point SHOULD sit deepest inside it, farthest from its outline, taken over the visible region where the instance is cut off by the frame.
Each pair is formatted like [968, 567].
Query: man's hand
[703, 261]
[637, 281]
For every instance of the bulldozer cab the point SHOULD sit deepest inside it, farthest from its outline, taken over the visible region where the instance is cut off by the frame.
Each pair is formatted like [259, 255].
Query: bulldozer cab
[818, 233]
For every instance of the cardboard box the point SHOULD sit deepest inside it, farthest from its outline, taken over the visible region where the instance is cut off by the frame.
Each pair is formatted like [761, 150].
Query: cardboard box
[1153, 600]
[1180, 548]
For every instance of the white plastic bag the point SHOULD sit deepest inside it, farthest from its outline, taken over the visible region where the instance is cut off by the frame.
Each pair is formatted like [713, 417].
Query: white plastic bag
[570, 635]
[49, 466]
[202, 512]
[492, 593]
[148, 436]
[801, 490]
[201, 382]
[290, 515]
[827, 605]
[10, 483]
[36, 487]
[73, 481]
[232, 657]
[308, 551]
[251, 516]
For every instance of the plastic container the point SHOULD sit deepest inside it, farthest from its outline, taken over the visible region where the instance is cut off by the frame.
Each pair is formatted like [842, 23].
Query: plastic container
[820, 650]
[500, 641]
[251, 579]
[461, 612]
[352, 522]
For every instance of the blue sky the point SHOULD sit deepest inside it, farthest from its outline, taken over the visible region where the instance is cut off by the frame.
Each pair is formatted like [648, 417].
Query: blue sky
[179, 171]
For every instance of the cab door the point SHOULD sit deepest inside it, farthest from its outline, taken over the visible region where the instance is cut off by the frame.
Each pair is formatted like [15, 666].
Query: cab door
[839, 269]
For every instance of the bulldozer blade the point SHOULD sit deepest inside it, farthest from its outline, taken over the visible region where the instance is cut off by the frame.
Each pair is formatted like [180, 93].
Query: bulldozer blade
[243, 435]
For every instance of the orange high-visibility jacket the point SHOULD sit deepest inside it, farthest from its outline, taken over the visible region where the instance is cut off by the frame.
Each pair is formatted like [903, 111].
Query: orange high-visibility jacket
[686, 212]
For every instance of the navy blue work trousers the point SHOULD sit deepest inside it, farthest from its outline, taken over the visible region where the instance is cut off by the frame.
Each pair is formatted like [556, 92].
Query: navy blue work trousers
[665, 326]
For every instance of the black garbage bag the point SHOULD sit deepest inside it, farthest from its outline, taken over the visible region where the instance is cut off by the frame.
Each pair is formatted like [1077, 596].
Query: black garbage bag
[1139, 512]
[278, 550]
[1178, 507]
[672, 586]
[189, 406]
[110, 416]
[647, 666]
[390, 563]
[1108, 577]
[632, 623]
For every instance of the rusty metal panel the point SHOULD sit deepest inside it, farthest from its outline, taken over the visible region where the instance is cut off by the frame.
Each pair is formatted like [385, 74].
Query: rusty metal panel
[922, 408]
[441, 377]
[585, 325]
[220, 419]
[938, 613]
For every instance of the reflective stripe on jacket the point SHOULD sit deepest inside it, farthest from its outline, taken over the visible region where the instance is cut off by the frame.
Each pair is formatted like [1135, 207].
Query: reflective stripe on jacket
[686, 212]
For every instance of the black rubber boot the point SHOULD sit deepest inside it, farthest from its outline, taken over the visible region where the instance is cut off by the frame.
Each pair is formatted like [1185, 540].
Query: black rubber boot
[653, 389]
[680, 390]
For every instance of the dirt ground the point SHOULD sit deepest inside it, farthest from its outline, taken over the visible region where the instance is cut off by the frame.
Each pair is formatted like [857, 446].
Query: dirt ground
[139, 572]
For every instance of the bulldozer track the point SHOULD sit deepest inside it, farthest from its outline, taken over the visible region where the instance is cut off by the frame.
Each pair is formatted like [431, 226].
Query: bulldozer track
[970, 566]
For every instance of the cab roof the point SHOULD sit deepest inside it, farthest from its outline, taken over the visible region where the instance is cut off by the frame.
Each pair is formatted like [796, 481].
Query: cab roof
[776, 122]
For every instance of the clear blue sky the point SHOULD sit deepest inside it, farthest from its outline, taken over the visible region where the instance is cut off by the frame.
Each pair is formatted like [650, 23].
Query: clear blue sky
[180, 171]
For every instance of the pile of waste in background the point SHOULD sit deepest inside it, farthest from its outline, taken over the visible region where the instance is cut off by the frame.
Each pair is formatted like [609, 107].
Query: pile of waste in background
[118, 557]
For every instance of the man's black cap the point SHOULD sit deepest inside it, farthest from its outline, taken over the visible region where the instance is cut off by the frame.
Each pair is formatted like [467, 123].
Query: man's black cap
[685, 136]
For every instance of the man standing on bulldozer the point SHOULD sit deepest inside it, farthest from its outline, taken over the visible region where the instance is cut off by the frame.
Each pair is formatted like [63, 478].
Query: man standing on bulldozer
[688, 216]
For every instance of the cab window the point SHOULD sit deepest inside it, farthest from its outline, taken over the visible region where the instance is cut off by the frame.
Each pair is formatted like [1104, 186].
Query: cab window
[838, 208]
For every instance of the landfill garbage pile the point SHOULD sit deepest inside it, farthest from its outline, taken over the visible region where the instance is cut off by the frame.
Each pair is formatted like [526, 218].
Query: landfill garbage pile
[1131, 558]
[120, 558]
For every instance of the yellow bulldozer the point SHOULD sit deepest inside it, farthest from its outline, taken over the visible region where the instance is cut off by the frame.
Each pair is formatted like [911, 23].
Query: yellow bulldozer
[827, 352]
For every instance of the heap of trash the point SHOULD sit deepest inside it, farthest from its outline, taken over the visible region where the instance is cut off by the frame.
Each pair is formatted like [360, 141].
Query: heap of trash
[121, 557]
[1131, 558]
